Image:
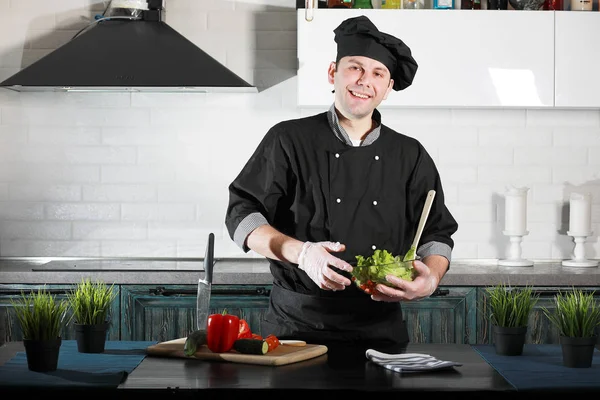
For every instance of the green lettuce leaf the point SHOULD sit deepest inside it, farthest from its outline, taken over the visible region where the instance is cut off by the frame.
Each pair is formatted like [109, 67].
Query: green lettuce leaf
[374, 268]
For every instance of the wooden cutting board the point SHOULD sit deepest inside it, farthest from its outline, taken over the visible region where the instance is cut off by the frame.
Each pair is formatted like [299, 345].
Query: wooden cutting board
[282, 355]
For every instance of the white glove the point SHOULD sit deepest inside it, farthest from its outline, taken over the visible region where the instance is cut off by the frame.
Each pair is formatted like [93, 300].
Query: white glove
[315, 259]
[433, 281]
[422, 287]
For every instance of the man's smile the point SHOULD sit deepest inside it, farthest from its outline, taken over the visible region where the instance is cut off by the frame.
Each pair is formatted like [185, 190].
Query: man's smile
[360, 95]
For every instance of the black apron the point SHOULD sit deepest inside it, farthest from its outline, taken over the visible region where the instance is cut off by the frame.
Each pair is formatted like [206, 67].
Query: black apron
[318, 319]
[364, 213]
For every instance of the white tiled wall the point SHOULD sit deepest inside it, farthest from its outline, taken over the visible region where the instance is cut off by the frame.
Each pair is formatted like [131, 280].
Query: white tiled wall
[147, 174]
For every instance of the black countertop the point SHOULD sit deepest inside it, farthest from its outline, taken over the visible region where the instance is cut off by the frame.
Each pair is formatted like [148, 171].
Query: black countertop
[340, 370]
[345, 369]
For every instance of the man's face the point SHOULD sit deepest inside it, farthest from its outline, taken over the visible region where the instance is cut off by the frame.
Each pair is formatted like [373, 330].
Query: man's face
[360, 84]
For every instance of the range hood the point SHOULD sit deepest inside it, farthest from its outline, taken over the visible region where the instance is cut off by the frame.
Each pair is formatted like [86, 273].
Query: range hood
[130, 55]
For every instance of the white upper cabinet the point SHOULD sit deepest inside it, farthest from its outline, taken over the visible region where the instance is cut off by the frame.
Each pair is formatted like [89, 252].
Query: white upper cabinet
[577, 59]
[467, 58]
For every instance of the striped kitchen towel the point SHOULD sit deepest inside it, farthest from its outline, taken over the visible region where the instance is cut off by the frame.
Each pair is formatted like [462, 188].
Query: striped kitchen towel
[409, 362]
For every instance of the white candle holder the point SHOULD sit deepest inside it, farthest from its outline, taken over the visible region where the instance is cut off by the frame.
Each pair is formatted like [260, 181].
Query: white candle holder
[514, 255]
[579, 259]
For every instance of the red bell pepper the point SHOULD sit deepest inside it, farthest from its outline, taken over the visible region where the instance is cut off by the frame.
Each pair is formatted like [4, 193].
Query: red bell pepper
[222, 331]
[244, 332]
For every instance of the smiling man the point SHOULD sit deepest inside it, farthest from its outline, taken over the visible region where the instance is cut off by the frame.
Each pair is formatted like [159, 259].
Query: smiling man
[321, 190]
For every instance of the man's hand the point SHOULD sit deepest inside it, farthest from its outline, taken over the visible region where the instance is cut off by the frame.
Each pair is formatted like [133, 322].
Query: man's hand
[422, 286]
[315, 259]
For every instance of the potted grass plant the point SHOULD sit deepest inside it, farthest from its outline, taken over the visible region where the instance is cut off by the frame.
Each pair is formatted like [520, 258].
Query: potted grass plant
[42, 319]
[576, 315]
[90, 303]
[510, 308]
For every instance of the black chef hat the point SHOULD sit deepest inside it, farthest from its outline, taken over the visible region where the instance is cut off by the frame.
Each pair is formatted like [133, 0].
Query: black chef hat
[358, 36]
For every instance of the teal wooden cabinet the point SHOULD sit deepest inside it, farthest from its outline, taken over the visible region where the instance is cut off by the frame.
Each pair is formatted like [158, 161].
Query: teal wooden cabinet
[166, 312]
[11, 330]
[155, 312]
[161, 313]
[539, 331]
[446, 317]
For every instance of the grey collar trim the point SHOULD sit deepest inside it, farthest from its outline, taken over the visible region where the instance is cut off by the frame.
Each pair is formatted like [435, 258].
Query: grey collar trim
[341, 134]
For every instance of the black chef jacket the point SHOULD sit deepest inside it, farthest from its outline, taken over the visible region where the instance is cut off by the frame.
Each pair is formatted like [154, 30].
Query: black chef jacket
[311, 186]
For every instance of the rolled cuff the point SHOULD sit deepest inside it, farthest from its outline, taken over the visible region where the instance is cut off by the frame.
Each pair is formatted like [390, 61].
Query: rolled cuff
[435, 248]
[248, 224]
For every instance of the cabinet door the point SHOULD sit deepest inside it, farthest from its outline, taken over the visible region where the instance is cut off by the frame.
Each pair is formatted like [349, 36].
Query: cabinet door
[11, 329]
[539, 330]
[466, 59]
[163, 313]
[577, 59]
[446, 317]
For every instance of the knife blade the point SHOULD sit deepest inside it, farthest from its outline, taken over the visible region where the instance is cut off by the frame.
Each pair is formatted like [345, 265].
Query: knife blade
[204, 285]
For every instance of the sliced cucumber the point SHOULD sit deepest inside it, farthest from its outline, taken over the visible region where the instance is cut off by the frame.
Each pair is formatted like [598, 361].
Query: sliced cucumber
[251, 346]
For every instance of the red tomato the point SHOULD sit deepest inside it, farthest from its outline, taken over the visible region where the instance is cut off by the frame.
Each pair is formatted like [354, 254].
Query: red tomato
[244, 331]
[272, 341]
[368, 287]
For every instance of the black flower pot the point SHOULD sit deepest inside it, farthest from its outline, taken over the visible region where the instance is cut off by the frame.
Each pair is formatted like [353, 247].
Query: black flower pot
[42, 355]
[578, 352]
[91, 338]
[509, 341]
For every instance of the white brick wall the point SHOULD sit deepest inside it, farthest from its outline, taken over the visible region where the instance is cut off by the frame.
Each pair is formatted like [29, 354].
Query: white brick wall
[147, 174]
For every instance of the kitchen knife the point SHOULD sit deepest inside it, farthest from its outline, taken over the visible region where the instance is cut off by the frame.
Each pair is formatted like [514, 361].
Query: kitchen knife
[204, 285]
[290, 342]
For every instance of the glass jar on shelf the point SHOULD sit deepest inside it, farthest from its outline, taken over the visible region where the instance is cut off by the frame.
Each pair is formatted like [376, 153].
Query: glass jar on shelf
[497, 5]
[443, 4]
[391, 4]
[582, 5]
[470, 5]
[362, 4]
[553, 5]
[413, 4]
[340, 3]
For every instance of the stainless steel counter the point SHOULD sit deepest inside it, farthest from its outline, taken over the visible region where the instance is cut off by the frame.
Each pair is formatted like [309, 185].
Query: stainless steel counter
[256, 271]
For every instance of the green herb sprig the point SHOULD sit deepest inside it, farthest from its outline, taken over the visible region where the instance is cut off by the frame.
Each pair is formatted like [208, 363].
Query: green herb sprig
[40, 315]
[510, 307]
[91, 301]
[577, 313]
